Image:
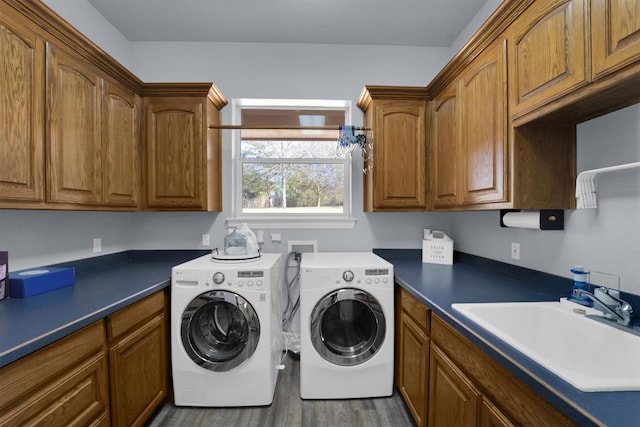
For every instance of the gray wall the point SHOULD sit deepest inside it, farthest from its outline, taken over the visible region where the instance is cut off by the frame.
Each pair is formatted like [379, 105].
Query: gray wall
[606, 239]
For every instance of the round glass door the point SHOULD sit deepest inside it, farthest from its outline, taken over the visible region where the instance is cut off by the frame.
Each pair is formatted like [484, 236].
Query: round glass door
[347, 326]
[220, 330]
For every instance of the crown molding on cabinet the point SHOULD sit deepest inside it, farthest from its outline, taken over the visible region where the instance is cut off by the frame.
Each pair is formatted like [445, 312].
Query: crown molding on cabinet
[187, 90]
[416, 93]
[49, 24]
[506, 13]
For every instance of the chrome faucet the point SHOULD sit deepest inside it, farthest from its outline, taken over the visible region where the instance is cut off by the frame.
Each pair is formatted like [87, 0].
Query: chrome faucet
[618, 309]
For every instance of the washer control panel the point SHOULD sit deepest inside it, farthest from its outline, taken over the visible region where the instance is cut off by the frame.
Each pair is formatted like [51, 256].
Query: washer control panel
[366, 276]
[243, 279]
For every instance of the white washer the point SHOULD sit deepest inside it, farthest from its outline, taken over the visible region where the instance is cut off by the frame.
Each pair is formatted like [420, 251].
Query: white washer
[347, 321]
[226, 331]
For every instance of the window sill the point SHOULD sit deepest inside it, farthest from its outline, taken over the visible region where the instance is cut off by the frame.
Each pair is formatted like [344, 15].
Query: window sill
[293, 222]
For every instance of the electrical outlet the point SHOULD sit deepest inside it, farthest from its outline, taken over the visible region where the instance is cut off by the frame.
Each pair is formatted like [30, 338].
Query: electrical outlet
[301, 246]
[515, 250]
[206, 239]
[97, 245]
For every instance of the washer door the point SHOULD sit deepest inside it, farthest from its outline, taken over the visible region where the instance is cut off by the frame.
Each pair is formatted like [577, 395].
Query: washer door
[347, 326]
[220, 330]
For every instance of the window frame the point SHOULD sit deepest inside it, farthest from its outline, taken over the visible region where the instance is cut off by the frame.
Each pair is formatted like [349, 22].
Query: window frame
[287, 220]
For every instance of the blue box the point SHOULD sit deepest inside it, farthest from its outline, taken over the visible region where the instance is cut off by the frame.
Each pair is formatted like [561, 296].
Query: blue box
[34, 281]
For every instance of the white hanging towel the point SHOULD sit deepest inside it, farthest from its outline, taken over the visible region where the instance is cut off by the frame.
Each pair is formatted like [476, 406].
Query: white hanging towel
[586, 190]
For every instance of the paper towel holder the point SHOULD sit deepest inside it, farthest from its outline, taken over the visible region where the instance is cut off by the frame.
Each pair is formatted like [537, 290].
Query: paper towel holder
[550, 219]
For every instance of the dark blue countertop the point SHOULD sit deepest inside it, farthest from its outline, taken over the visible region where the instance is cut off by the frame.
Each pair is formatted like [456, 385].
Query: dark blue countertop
[475, 279]
[103, 285]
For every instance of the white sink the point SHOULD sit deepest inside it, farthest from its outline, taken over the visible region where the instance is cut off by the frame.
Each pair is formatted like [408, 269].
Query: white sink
[590, 355]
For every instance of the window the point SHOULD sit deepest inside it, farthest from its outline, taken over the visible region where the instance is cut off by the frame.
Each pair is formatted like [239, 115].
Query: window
[287, 176]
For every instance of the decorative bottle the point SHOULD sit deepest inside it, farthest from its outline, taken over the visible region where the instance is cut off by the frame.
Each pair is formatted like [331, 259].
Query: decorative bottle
[579, 282]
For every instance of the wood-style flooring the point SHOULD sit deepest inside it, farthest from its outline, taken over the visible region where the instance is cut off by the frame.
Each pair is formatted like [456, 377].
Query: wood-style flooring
[289, 410]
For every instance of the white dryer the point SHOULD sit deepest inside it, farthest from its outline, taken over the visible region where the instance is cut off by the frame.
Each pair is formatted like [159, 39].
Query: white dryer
[226, 331]
[347, 321]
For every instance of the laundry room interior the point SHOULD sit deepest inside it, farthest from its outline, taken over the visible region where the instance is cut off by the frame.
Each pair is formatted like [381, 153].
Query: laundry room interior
[383, 336]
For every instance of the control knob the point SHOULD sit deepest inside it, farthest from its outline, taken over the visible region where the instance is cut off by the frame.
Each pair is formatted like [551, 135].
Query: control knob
[347, 276]
[218, 278]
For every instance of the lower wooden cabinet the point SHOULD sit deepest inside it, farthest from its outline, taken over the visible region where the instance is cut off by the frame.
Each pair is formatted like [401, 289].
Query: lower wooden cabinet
[64, 384]
[468, 383]
[490, 416]
[412, 354]
[93, 378]
[453, 399]
[446, 380]
[138, 360]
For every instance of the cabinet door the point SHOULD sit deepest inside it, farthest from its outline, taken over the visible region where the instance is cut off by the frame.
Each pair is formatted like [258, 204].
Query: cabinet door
[547, 53]
[453, 399]
[483, 142]
[413, 368]
[399, 161]
[176, 152]
[490, 416]
[74, 116]
[138, 370]
[138, 360]
[21, 113]
[120, 146]
[445, 148]
[615, 34]
[63, 384]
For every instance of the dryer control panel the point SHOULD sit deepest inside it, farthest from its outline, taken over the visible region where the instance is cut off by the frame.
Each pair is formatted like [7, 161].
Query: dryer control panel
[366, 276]
[242, 279]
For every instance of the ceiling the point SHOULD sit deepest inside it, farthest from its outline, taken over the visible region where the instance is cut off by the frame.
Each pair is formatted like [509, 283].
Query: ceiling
[434, 23]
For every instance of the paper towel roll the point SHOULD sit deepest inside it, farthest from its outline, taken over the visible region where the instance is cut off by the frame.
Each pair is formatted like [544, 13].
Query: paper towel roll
[522, 220]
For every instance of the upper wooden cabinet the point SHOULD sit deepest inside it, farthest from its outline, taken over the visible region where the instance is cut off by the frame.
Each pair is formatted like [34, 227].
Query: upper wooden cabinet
[444, 143]
[397, 177]
[468, 137]
[615, 34]
[71, 123]
[548, 53]
[183, 164]
[121, 110]
[74, 113]
[22, 67]
[93, 136]
[483, 131]
[75, 135]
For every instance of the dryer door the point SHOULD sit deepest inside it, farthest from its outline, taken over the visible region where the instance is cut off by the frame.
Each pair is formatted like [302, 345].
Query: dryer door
[347, 326]
[220, 330]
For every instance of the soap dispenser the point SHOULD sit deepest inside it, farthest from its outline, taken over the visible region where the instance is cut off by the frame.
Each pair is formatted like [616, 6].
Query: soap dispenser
[579, 282]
